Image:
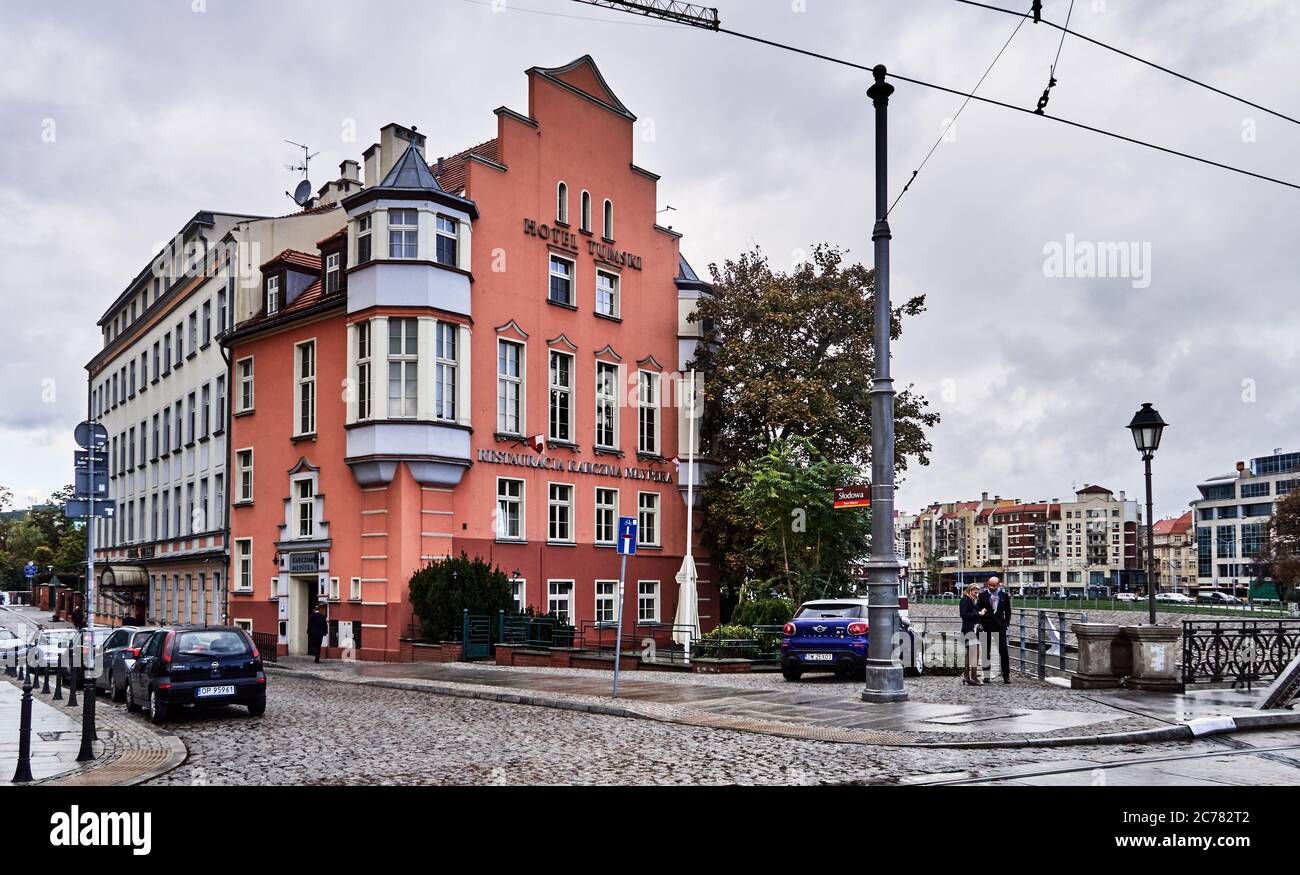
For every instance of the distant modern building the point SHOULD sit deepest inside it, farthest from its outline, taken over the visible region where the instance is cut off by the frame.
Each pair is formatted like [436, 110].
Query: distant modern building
[1232, 517]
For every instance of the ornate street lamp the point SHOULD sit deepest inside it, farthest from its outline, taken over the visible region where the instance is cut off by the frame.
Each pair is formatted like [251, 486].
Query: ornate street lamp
[1147, 427]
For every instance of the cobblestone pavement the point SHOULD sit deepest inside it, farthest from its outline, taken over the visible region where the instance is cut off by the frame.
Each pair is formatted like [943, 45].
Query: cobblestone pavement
[323, 732]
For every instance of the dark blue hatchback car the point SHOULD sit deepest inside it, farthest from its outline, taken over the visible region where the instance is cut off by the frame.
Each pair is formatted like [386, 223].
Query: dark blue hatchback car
[832, 635]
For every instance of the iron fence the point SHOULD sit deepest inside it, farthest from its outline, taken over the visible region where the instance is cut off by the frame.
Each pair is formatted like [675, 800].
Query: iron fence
[1039, 642]
[266, 644]
[1242, 652]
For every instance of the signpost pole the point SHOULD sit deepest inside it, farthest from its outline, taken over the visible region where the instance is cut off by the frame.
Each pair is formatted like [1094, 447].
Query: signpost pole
[87, 751]
[626, 547]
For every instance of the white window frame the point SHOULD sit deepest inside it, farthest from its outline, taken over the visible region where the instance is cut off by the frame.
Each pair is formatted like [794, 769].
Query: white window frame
[642, 528]
[610, 598]
[452, 234]
[242, 623]
[304, 509]
[551, 597]
[408, 363]
[334, 590]
[245, 496]
[560, 512]
[615, 310]
[304, 364]
[243, 564]
[571, 277]
[584, 218]
[607, 217]
[245, 388]
[562, 202]
[404, 237]
[333, 272]
[365, 369]
[608, 508]
[446, 369]
[607, 399]
[519, 594]
[354, 589]
[557, 429]
[641, 598]
[647, 410]
[501, 518]
[272, 295]
[505, 383]
[365, 227]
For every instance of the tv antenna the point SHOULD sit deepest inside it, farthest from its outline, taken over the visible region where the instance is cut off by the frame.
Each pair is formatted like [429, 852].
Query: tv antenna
[302, 193]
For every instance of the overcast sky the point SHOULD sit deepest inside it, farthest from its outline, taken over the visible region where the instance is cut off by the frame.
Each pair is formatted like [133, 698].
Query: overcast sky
[122, 120]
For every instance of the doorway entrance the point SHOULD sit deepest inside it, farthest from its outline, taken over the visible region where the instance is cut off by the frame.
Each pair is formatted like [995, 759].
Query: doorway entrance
[302, 602]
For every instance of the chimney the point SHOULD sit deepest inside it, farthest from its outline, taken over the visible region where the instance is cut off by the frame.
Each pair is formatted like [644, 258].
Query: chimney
[442, 166]
[371, 159]
[394, 140]
[351, 170]
[1121, 495]
[984, 496]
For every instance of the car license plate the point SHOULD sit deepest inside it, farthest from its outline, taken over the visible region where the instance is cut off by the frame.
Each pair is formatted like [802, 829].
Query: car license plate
[818, 657]
[208, 692]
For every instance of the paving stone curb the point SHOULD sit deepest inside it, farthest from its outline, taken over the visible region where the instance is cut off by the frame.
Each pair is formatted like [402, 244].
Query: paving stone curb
[130, 752]
[1176, 732]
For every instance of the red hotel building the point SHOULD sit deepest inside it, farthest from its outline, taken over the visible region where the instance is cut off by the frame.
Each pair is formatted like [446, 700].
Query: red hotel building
[385, 388]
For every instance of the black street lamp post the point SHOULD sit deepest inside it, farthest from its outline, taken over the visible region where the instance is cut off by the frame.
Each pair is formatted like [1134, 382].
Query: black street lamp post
[1147, 427]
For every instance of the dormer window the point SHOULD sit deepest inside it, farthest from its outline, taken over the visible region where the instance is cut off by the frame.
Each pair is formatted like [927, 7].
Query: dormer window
[562, 203]
[272, 295]
[332, 264]
[446, 234]
[585, 218]
[403, 231]
[363, 239]
[609, 219]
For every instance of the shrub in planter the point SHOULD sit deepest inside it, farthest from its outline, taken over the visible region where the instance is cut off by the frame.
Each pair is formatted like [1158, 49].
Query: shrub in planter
[762, 612]
[443, 590]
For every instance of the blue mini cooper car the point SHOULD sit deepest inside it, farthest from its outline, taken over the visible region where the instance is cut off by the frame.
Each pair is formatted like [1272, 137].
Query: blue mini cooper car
[831, 635]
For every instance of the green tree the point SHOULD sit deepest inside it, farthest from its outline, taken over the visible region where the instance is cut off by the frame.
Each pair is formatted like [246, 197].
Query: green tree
[789, 362]
[784, 534]
[25, 538]
[1282, 545]
[442, 590]
[70, 555]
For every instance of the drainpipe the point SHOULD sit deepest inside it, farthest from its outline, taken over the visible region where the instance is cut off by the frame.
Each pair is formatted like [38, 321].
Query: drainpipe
[225, 511]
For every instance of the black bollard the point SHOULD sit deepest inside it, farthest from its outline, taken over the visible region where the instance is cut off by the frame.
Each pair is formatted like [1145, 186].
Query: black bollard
[58, 679]
[72, 687]
[45, 675]
[23, 773]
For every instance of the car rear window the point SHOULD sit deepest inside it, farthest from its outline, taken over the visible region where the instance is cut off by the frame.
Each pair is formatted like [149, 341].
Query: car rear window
[826, 612]
[220, 642]
[140, 638]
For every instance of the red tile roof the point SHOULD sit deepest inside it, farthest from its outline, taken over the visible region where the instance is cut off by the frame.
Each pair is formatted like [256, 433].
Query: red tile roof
[1173, 525]
[323, 208]
[304, 261]
[452, 177]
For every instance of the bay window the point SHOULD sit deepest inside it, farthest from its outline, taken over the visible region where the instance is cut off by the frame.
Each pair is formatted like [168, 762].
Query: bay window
[403, 233]
[363, 370]
[444, 400]
[445, 241]
[403, 368]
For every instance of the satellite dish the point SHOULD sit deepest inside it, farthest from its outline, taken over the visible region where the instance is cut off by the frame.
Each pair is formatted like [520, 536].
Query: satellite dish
[302, 193]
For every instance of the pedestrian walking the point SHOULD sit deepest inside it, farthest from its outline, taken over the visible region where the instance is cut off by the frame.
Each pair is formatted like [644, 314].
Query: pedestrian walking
[970, 628]
[317, 629]
[78, 618]
[995, 616]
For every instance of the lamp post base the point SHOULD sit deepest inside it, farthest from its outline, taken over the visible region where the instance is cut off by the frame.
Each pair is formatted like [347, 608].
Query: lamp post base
[884, 684]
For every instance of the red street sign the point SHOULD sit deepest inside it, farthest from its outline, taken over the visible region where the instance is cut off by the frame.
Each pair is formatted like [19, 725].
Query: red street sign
[852, 496]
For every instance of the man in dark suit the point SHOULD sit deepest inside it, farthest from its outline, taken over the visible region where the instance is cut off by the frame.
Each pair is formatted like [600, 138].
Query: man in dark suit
[317, 628]
[995, 616]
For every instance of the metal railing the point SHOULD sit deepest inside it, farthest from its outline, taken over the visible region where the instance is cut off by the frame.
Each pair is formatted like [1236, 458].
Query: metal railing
[1081, 602]
[266, 644]
[1039, 642]
[1240, 651]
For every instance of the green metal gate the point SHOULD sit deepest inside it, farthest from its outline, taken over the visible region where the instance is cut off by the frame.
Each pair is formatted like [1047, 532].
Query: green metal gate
[476, 635]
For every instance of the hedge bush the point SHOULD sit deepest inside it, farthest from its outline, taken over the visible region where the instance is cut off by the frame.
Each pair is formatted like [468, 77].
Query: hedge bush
[442, 590]
[762, 612]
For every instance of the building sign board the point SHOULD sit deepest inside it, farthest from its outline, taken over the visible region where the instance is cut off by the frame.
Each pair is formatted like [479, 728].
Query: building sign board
[562, 238]
[572, 466]
[304, 562]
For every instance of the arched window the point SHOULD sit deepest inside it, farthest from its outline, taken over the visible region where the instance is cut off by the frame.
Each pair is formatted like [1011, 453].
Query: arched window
[586, 211]
[562, 203]
[609, 219]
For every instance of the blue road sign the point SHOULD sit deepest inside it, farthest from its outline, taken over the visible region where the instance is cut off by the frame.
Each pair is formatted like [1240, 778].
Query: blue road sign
[76, 508]
[29, 570]
[627, 536]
